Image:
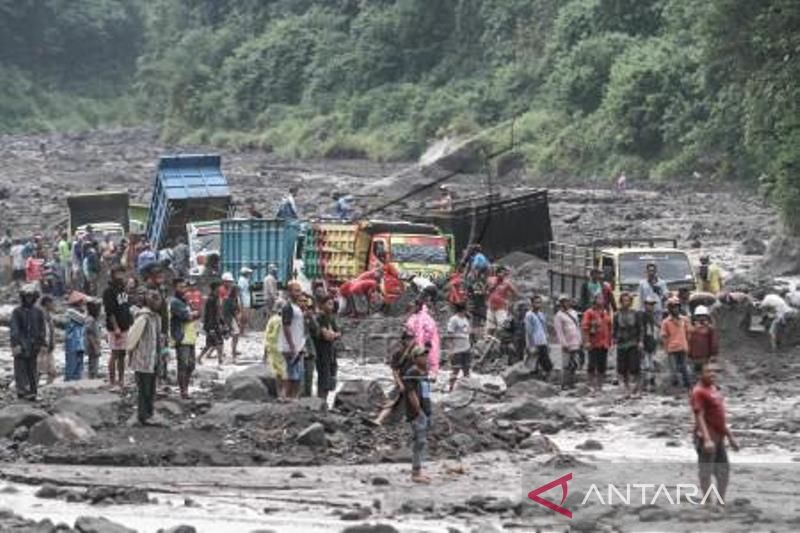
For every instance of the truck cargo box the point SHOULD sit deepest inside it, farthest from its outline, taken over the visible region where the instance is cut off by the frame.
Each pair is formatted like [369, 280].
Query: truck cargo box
[96, 207]
[256, 243]
[187, 188]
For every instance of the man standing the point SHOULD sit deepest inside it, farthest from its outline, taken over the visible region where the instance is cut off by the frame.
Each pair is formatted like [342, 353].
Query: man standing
[458, 336]
[568, 332]
[143, 349]
[652, 285]
[64, 250]
[213, 325]
[18, 261]
[595, 286]
[184, 335]
[155, 280]
[500, 292]
[711, 430]
[118, 322]
[675, 338]
[628, 337]
[181, 258]
[245, 296]
[46, 364]
[536, 345]
[292, 339]
[27, 333]
[597, 340]
[709, 277]
[703, 340]
[270, 289]
[325, 340]
[418, 411]
[651, 332]
[288, 206]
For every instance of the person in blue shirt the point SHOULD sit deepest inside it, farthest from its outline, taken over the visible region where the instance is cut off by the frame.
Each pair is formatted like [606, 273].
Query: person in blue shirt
[344, 206]
[536, 344]
[146, 258]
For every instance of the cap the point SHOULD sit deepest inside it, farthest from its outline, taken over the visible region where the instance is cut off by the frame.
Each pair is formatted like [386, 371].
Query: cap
[651, 300]
[246, 270]
[564, 297]
[227, 276]
[29, 288]
[701, 310]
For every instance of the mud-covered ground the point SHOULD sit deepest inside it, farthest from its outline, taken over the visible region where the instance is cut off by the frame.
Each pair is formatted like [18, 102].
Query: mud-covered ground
[487, 437]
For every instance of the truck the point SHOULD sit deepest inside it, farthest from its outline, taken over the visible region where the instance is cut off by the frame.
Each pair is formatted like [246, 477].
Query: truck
[107, 209]
[339, 251]
[187, 188]
[623, 263]
[257, 243]
[204, 240]
[518, 223]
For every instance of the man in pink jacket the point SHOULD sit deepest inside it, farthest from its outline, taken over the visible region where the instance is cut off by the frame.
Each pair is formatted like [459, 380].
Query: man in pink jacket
[426, 334]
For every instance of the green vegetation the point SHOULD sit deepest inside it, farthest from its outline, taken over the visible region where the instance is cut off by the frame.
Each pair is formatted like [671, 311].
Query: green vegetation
[659, 88]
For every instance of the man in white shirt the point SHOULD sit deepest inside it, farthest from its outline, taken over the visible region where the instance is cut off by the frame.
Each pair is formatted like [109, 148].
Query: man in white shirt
[458, 331]
[292, 340]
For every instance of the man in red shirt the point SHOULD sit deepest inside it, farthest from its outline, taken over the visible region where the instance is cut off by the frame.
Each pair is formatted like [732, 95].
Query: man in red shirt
[597, 334]
[711, 429]
[500, 292]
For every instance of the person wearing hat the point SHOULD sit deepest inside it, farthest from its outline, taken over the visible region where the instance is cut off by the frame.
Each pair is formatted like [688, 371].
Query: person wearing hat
[651, 333]
[74, 336]
[417, 387]
[225, 288]
[675, 339]
[568, 332]
[709, 276]
[245, 296]
[445, 200]
[703, 340]
[28, 336]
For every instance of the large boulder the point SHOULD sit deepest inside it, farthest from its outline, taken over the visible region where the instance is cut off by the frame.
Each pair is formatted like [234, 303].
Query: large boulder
[18, 415]
[783, 256]
[359, 395]
[60, 428]
[255, 384]
[229, 413]
[529, 408]
[535, 388]
[98, 524]
[98, 410]
[313, 435]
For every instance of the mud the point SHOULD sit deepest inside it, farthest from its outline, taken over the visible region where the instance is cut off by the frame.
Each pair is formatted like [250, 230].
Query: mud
[219, 463]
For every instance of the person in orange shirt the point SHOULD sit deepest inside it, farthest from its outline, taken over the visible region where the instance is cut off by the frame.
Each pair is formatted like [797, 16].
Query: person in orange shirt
[675, 338]
[597, 334]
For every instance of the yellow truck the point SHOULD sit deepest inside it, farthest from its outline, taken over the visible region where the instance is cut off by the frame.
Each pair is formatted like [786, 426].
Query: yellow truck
[623, 263]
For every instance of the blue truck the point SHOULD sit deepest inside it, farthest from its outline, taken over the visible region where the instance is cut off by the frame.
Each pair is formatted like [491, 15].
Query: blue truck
[187, 188]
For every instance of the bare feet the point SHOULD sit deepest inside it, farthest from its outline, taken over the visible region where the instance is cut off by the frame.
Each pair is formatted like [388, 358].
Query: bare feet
[421, 478]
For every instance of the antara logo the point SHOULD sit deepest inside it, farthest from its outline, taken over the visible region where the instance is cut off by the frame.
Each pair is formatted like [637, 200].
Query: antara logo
[562, 481]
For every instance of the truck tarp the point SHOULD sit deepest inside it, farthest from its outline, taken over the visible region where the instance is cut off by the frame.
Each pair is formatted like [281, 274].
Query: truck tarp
[92, 208]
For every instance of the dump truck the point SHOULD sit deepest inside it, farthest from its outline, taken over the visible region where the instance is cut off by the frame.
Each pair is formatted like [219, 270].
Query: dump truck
[518, 223]
[106, 209]
[337, 252]
[623, 263]
[187, 188]
[204, 240]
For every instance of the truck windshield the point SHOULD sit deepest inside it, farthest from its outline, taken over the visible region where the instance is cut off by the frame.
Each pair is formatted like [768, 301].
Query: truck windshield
[205, 242]
[672, 267]
[427, 251]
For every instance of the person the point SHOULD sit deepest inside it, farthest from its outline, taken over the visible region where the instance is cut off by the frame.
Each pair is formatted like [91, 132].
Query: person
[476, 280]
[91, 268]
[252, 212]
[343, 206]
[145, 258]
[455, 289]
[310, 330]
[711, 430]
[28, 336]
[703, 340]
[245, 296]
[500, 291]
[776, 314]
[74, 336]
[675, 339]
[77, 262]
[118, 322]
[426, 334]
[270, 289]
[292, 339]
[288, 207]
[155, 277]
[417, 386]
[622, 182]
[537, 347]
[34, 268]
[360, 289]
[709, 276]
[326, 339]
[400, 360]
[629, 340]
[568, 332]
[651, 333]
[184, 334]
[652, 285]
[46, 364]
[595, 286]
[597, 333]
[18, 261]
[213, 325]
[227, 285]
[143, 353]
[272, 355]
[458, 336]
[445, 200]
[64, 252]
[91, 332]
[232, 317]
[181, 258]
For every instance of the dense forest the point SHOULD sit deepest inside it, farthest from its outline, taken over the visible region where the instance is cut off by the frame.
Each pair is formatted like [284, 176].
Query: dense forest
[663, 89]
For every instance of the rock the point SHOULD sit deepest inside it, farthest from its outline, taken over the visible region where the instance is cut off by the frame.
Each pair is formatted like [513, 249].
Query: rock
[254, 384]
[179, 529]
[379, 481]
[263, 373]
[169, 407]
[18, 415]
[752, 246]
[98, 410]
[313, 435]
[20, 434]
[461, 441]
[357, 514]
[370, 528]
[48, 491]
[87, 524]
[517, 373]
[539, 444]
[533, 409]
[590, 445]
[60, 428]
[360, 395]
[535, 388]
[783, 256]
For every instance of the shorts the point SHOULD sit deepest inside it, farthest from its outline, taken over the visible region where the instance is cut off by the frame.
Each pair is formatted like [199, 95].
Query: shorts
[570, 359]
[542, 355]
[214, 339]
[185, 355]
[294, 371]
[118, 342]
[18, 275]
[495, 318]
[718, 456]
[629, 361]
[598, 361]
[463, 360]
[233, 327]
